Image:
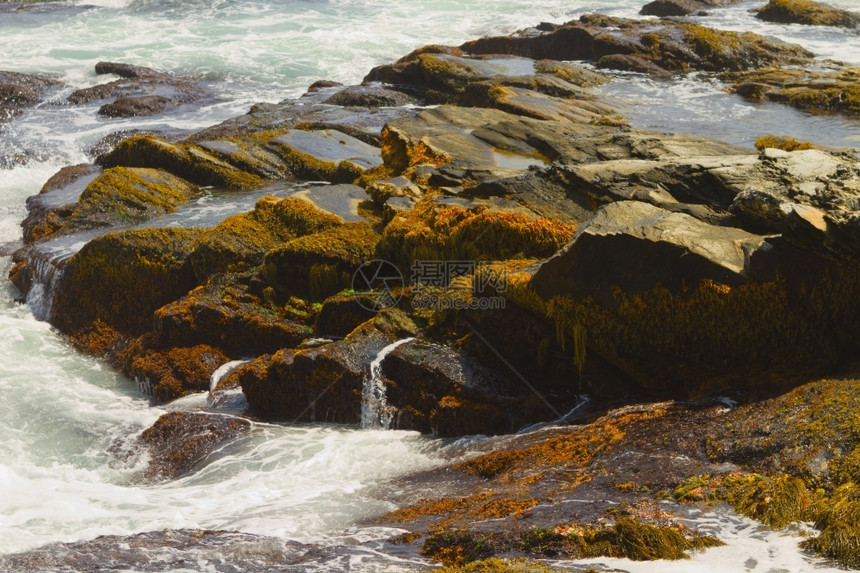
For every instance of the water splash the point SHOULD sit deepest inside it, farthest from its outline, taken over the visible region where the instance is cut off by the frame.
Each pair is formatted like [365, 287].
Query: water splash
[46, 270]
[375, 412]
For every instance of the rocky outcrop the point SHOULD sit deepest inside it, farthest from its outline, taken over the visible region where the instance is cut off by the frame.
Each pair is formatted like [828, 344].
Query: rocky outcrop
[236, 313]
[833, 89]
[322, 383]
[20, 91]
[179, 441]
[672, 46]
[140, 91]
[665, 8]
[808, 13]
[122, 278]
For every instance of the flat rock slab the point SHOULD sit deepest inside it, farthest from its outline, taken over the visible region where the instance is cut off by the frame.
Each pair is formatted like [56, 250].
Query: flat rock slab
[342, 200]
[637, 246]
[326, 154]
[330, 145]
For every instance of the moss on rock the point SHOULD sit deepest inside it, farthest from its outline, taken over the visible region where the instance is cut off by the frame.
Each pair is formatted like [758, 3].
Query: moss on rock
[187, 161]
[177, 371]
[807, 12]
[123, 195]
[122, 278]
[321, 264]
[449, 232]
[241, 241]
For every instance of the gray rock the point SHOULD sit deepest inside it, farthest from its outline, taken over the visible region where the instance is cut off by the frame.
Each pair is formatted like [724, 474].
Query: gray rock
[637, 246]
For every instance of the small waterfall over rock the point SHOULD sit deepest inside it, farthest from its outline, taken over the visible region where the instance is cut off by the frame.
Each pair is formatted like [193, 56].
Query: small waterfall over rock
[375, 412]
[46, 269]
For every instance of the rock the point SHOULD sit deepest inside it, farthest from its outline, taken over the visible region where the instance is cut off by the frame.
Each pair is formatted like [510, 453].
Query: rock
[665, 8]
[370, 97]
[326, 155]
[343, 200]
[122, 278]
[773, 436]
[323, 85]
[131, 106]
[270, 120]
[187, 161]
[320, 264]
[248, 154]
[644, 315]
[124, 195]
[673, 46]
[47, 211]
[834, 88]
[241, 241]
[324, 383]
[381, 190]
[453, 229]
[234, 314]
[341, 314]
[125, 70]
[811, 196]
[438, 390]
[643, 246]
[173, 373]
[807, 12]
[20, 91]
[173, 549]
[140, 91]
[541, 89]
[180, 442]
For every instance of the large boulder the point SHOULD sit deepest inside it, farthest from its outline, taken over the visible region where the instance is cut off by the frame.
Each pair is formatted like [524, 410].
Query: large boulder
[322, 383]
[121, 278]
[179, 442]
[233, 313]
[140, 91]
[807, 12]
[681, 305]
[241, 241]
[672, 46]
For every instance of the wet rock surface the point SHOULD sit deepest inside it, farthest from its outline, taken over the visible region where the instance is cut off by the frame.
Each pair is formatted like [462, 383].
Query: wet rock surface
[140, 91]
[180, 441]
[172, 550]
[808, 13]
[551, 263]
[20, 91]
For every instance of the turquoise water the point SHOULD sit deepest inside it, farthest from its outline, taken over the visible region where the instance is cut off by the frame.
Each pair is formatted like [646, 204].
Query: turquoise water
[61, 412]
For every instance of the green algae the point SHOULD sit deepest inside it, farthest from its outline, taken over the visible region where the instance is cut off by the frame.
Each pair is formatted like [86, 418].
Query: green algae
[187, 161]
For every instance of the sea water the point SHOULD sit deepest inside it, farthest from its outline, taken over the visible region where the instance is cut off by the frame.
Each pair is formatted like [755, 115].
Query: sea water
[62, 413]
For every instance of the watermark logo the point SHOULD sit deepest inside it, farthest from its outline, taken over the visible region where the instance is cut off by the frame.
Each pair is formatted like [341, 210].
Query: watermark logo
[383, 280]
